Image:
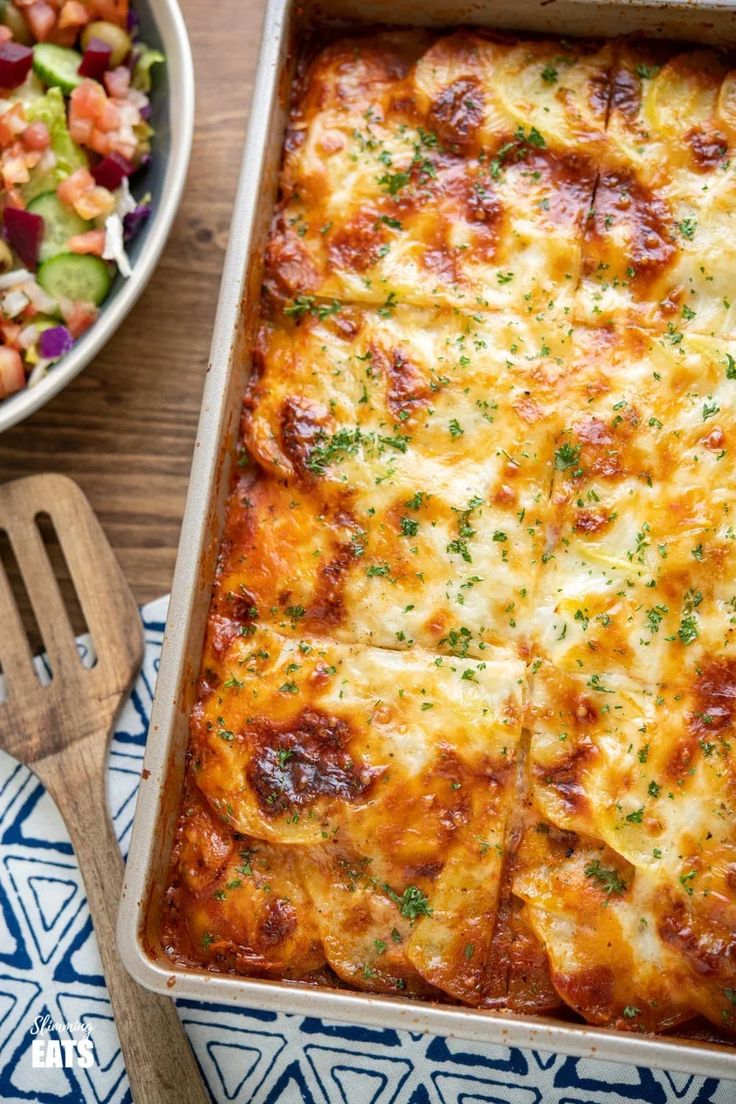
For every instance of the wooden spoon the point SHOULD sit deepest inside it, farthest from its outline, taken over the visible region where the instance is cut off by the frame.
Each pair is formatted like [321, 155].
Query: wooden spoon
[61, 732]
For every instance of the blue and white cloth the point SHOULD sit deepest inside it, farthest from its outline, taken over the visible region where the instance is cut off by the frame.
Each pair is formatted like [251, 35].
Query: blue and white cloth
[50, 966]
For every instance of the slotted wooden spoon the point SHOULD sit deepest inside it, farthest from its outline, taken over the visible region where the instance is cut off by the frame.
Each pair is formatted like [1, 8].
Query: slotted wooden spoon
[61, 732]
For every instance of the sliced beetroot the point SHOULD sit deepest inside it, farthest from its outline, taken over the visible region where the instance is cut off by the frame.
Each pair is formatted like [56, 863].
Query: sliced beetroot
[15, 63]
[96, 60]
[24, 231]
[109, 172]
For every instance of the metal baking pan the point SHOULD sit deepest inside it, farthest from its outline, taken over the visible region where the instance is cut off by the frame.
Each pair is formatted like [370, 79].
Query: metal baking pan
[710, 21]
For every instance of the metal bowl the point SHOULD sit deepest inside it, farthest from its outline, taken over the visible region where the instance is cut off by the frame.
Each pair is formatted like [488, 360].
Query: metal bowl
[172, 103]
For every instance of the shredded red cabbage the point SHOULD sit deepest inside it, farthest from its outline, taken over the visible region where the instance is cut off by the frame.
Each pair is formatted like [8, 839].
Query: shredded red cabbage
[55, 342]
[135, 219]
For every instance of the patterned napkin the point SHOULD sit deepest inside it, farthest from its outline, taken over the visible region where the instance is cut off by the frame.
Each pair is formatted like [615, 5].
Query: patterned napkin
[49, 966]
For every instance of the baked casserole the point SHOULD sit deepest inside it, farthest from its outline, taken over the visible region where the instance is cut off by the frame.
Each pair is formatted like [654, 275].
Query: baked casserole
[466, 709]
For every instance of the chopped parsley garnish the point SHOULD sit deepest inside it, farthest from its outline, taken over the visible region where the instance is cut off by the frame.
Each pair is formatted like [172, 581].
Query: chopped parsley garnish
[567, 456]
[687, 228]
[390, 304]
[608, 880]
[307, 304]
[533, 138]
[417, 501]
[646, 71]
[655, 616]
[394, 182]
[686, 879]
[688, 630]
[549, 74]
[343, 443]
[411, 903]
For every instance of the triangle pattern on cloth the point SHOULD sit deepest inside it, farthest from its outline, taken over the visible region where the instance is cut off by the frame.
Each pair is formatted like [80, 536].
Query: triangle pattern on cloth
[81, 959]
[680, 1083]
[455, 1088]
[19, 1079]
[47, 928]
[359, 1084]
[38, 809]
[544, 1061]
[51, 895]
[13, 778]
[16, 997]
[457, 1051]
[582, 1073]
[12, 949]
[238, 1060]
[291, 1088]
[96, 1014]
[104, 1077]
[233, 1069]
[368, 1078]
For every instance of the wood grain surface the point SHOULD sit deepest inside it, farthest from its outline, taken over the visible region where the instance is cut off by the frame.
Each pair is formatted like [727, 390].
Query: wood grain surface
[124, 429]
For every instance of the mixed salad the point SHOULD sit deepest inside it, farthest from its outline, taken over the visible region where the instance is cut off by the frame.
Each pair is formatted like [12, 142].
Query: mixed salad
[74, 129]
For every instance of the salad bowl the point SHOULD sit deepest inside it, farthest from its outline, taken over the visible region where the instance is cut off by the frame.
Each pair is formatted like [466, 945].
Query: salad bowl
[162, 179]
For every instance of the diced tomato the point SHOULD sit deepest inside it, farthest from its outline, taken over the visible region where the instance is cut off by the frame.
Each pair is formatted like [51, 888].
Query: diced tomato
[75, 186]
[41, 19]
[10, 332]
[36, 136]
[14, 166]
[112, 11]
[12, 123]
[88, 100]
[12, 374]
[117, 81]
[102, 124]
[79, 318]
[73, 14]
[93, 241]
[87, 198]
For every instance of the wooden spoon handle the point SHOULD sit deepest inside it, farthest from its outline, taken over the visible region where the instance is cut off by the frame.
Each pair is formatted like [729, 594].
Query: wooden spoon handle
[160, 1063]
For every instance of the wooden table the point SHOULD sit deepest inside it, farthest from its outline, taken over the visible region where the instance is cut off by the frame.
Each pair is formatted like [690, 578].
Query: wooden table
[124, 429]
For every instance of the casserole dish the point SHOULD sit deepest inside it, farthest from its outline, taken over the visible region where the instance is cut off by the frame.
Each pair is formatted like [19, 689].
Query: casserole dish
[211, 483]
[163, 27]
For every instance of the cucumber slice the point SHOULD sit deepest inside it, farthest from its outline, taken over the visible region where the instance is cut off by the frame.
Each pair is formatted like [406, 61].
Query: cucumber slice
[59, 224]
[75, 276]
[57, 65]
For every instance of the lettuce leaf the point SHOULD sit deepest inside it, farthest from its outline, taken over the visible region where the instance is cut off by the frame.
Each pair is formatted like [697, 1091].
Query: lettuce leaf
[142, 71]
[51, 110]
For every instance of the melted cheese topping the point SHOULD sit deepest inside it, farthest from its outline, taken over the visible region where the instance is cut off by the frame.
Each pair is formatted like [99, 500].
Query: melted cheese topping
[459, 174]
[660, 246]
[466, 711]
[411, 459]
[650, 774]
[393, 771]
[641, 560]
